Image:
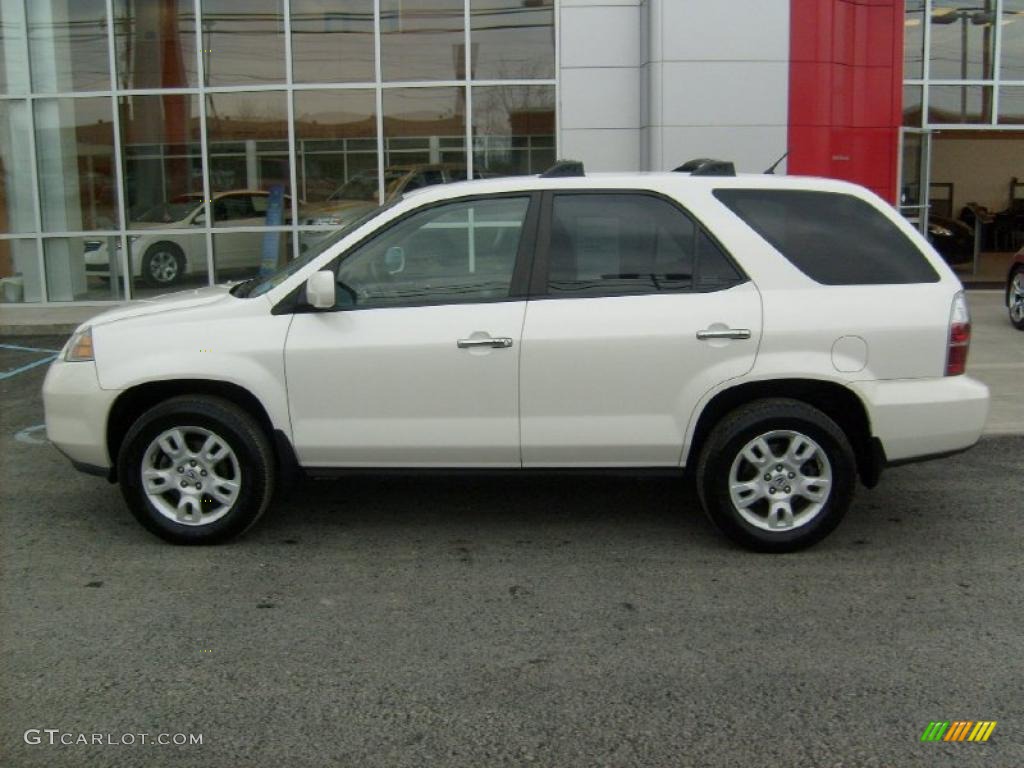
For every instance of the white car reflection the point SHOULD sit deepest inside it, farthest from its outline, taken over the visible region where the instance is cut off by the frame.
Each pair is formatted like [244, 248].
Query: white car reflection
[164, 258]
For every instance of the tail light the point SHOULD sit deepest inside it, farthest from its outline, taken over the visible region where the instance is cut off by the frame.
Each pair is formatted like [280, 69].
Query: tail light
[959, 336]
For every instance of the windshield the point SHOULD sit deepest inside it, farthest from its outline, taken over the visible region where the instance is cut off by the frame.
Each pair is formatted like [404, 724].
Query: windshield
[363, 186]
[260, 284]
[165, 213]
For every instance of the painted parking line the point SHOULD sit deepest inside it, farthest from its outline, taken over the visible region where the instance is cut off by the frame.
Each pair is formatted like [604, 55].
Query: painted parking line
[27, 349]
[51, 354]
[32, 436]
[27, 367]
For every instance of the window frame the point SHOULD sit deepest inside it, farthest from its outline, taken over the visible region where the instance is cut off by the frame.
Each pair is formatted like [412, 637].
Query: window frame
[296, 302]
[542, 258]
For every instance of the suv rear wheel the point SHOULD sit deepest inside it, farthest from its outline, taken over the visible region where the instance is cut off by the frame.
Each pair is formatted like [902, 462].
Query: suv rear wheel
[776, 475]
[196, 470]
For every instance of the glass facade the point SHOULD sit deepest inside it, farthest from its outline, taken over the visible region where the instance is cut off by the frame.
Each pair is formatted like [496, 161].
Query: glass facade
[963, 63]
[149, 145]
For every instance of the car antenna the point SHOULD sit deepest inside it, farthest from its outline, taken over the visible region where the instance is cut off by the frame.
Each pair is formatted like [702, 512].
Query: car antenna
[771, 170]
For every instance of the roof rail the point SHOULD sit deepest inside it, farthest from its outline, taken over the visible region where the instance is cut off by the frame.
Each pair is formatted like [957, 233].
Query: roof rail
[564, 169]
[706, 166]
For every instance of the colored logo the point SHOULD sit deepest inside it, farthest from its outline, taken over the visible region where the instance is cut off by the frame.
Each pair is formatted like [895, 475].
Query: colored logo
[959, 730]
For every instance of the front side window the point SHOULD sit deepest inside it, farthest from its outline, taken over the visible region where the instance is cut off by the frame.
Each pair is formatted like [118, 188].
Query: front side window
[833, 238]
[454, 253]
[613, 244]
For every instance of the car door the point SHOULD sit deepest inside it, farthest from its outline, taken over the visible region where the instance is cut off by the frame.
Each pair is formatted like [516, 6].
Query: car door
[635, 313]
[233, 250]
[418, 363]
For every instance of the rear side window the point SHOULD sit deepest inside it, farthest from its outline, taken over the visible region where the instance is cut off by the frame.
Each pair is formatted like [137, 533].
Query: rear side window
[832, 238]
[618, 244]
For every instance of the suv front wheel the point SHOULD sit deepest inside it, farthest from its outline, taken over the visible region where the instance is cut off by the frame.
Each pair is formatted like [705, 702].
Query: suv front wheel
[196, 470]
[776, 475]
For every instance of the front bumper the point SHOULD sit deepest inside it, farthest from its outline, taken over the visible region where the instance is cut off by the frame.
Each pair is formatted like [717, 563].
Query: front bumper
[76, 413]
[917, 418]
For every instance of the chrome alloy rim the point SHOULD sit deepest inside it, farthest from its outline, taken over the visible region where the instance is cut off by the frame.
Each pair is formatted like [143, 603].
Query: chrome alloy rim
[163, 266]
[780, 480]
[1017, 298]
[191, 475]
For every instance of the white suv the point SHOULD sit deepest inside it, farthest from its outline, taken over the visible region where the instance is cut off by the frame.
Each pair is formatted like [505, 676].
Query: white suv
[777, 336]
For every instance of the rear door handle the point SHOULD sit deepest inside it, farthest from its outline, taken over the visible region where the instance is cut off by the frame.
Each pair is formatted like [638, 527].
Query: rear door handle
[500, 342]
[724, 333]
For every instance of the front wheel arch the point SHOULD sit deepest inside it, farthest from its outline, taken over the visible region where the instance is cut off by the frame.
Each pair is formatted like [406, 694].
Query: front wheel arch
[133, 402]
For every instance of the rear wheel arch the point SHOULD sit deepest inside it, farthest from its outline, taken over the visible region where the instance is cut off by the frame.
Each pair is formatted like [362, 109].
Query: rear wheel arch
[133, 402]
[836, 401]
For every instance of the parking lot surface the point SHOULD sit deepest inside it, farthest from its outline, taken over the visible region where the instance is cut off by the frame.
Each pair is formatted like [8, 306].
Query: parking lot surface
[557, 621]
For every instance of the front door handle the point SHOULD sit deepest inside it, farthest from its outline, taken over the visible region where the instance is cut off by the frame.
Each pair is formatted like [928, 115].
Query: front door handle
[724, 333]
[501, 342]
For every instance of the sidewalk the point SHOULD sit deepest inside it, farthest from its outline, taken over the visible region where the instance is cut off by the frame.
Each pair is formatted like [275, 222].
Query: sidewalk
[997, 349]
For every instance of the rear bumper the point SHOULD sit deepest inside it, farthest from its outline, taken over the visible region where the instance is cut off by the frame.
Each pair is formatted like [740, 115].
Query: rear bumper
[76, 414]
[921, 418]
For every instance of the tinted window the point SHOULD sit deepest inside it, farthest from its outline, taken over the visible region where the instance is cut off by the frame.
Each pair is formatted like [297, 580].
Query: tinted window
[714, 270]
[454, 253]
[612, 244]
[833, 238]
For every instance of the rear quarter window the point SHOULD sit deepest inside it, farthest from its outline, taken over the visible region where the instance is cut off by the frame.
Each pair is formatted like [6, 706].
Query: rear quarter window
[833, 238]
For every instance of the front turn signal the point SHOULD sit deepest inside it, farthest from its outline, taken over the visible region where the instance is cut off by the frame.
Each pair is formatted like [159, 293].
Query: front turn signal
[80, 347]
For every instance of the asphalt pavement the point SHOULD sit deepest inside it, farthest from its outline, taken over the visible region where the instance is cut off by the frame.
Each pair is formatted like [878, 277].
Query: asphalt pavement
[498, 621]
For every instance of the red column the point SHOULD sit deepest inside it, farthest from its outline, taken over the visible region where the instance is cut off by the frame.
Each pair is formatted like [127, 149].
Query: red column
[845, 91]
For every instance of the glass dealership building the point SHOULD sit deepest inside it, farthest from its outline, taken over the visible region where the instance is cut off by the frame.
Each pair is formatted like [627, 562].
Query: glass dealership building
[125, 121]
[147, 145]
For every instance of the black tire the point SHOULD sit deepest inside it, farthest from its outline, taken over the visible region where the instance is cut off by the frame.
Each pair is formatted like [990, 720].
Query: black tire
[1019, 322]
[163, 265]
[724, 446]
[232, 426]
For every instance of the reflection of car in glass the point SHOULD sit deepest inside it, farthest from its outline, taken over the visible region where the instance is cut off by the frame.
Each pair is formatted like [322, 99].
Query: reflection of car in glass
[778, 338]
[953, 239]
[1015, 291]
[361, 192]
[164, 259]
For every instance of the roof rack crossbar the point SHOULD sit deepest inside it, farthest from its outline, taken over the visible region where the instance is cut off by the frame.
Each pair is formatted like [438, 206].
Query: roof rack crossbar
[707, 166]
[564, 169]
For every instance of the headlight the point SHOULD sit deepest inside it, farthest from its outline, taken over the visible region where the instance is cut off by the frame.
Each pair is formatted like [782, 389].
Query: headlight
[939, 231]
[80, 347]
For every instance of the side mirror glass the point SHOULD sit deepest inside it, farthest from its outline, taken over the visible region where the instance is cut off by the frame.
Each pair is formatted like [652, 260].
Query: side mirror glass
[320, 289]
[199, 220]
[394, 259]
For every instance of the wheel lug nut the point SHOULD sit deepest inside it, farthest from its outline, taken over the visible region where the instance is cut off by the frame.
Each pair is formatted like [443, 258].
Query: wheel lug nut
[791, 475]
[193, 463]
[203, 473]
[778, 467]
[184, 484]
[787, 489]
[772, 489]
[180, 470]
[199, 486]
[766, 477]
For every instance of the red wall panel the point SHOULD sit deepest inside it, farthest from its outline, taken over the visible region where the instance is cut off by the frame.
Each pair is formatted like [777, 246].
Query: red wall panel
[845, 90]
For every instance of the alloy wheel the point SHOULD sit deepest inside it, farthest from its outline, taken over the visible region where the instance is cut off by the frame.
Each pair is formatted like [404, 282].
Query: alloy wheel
[191, 475]
[1017, 298]
[780, 480]
[163, 266]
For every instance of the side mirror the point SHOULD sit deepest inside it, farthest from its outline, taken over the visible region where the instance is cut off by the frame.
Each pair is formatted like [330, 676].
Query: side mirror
[199, 220]
[320, 289]
[394, 259]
